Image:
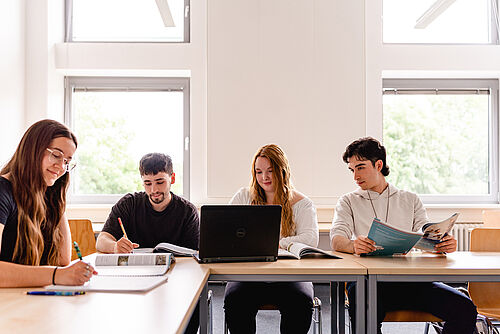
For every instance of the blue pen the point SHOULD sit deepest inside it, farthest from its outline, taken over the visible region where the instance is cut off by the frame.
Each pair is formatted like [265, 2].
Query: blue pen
[55, 293]
[77, 250]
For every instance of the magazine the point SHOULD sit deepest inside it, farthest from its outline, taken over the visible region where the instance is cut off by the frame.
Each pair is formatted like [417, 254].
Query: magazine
[297, 250]
[434, 232]
[390, 240]
[165, 247]
[133, 264]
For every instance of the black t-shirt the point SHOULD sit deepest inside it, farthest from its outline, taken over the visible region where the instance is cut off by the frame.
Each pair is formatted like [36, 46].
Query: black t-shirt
[8, 217]
[177, 224]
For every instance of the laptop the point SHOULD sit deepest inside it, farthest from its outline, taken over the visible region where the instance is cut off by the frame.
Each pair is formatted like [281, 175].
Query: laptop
[236, 233]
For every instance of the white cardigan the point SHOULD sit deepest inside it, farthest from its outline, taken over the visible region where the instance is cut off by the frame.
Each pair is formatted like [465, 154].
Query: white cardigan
[304, 215]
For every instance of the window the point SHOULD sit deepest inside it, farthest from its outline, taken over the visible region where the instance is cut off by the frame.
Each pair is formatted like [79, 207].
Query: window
[117, 121]
[440, 21]
[127, 20]
[442, 138]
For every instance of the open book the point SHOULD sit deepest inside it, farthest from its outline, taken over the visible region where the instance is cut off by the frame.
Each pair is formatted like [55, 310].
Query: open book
[297, 250]
[133, 264]
[390, 240]
[165, 247]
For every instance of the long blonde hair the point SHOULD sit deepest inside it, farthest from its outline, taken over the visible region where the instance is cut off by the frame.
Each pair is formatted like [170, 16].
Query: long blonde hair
[283, 187]
[39, 207]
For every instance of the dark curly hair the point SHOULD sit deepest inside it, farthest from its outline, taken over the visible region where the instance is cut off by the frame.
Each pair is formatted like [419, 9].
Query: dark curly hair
[367, 148]
[153, 163]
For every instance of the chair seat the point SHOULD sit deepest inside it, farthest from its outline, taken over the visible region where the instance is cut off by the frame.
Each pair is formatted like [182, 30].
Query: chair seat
[316, 316]
[490, 312]
[410, 316]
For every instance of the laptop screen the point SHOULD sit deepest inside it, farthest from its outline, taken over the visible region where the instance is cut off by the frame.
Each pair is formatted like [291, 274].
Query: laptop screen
[249, 232]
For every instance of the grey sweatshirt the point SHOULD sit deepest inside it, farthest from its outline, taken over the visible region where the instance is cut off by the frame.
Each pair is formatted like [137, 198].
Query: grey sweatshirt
[354, 213]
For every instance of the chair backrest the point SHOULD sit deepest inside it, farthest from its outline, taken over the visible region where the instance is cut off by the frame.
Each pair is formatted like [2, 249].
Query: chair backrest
[485, 295]
[485, 239]
[491, 218]
[83, 234]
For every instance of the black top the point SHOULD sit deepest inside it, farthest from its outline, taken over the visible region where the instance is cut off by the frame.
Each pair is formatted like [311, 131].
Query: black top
[177, 224]
[8, 217]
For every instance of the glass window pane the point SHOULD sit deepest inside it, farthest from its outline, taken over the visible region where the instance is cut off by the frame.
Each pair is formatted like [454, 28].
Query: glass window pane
[125, 20]
[438, 144]
[461, 21]
[115, 129]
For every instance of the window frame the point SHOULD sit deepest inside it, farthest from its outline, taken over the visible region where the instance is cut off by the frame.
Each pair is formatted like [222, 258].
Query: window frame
[129, 84]
[494, 38]
[493, 132]
[68, 26]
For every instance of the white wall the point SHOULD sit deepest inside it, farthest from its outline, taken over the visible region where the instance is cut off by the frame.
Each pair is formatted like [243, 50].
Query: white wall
[306, 74]
[12, 73]
[155, 59]
[290, 73]
[421, 61]
[30, 87]
[44, 85]
[261, 72]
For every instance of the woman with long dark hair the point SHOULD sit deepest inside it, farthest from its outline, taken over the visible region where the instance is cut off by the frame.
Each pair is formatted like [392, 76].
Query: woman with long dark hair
[271, 184]
[35, 240]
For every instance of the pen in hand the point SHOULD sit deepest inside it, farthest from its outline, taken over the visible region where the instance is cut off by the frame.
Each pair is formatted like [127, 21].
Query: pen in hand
[77, 250]
[123, 229]
[87, 267]
[124, 245]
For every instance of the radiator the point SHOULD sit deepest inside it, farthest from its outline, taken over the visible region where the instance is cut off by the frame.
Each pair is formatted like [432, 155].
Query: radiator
[461, 232]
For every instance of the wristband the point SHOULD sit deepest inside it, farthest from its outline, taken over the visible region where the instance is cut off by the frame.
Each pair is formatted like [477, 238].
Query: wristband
[54, 276]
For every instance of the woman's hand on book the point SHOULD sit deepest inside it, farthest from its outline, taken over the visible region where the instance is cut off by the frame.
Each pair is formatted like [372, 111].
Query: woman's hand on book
[447, 245]
[124, 246]
[75, 274]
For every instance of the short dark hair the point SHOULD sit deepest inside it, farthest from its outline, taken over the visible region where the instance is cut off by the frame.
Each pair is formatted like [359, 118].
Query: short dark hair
[153, 163]
[367, 148]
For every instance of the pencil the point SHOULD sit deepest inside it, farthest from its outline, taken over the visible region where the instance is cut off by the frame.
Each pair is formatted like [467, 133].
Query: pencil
[123, 229]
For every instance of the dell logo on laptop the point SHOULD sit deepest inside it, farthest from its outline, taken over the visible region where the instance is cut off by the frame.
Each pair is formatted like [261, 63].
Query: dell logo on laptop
[241, 232]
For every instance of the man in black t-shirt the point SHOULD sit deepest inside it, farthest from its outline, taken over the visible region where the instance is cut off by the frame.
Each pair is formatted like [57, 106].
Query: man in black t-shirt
[152, 216]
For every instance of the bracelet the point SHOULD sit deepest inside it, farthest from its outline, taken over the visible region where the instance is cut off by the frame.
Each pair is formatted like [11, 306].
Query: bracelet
[54, 276]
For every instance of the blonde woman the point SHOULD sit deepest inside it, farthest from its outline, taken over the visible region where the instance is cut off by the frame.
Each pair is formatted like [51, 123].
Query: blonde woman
[271, 185]
[35, 241]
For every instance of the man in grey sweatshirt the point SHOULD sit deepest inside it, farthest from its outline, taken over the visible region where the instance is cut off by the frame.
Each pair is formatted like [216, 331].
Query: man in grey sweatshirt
[375, 198]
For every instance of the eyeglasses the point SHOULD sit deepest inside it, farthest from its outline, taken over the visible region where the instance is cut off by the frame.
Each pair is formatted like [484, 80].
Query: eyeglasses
[57, 157]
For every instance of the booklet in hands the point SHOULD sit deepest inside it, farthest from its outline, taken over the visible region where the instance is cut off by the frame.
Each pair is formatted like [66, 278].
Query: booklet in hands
[435, 232]
[297, 250]
[390, 240]
[165, 247]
